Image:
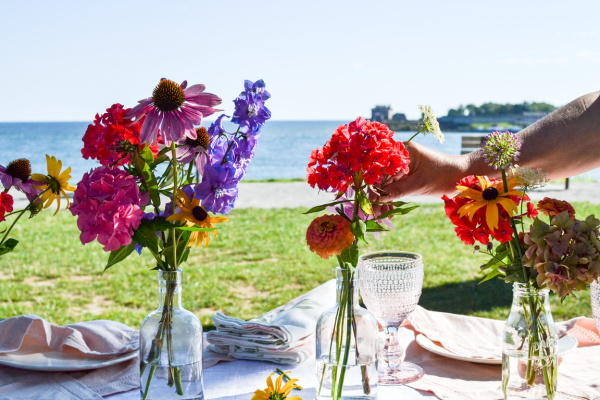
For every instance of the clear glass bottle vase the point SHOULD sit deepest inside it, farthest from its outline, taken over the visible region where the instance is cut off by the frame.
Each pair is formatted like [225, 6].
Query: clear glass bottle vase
[346, 341]
[529, 346]
[171, 346]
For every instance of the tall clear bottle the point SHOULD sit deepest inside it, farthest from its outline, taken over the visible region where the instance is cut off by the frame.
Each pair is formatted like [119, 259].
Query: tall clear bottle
[529, 348]
[346, 341]
[171, 346]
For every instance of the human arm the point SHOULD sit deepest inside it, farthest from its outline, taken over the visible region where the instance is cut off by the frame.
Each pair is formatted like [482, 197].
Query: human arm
[563, 144]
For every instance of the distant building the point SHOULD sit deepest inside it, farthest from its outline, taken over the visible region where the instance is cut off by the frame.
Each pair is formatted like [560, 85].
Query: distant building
[381, 113]
[399, 117]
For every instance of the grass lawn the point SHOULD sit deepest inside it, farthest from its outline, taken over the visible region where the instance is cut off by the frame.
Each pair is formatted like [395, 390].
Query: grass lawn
[258, 261]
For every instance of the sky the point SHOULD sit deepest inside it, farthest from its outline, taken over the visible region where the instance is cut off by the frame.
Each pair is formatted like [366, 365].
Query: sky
[321, 60]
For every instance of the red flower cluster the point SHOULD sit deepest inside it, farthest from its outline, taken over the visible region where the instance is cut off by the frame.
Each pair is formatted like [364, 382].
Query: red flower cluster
[103, 139]
[361, 146]
[476, 229]
[6, 204]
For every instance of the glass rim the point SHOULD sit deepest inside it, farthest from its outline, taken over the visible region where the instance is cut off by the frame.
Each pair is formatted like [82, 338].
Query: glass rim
[412, 256]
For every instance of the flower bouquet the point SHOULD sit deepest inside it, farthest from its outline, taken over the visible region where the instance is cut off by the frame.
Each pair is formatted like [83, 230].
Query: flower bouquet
[151, 155]
[557, 252]
[354, 164]
[41, 191]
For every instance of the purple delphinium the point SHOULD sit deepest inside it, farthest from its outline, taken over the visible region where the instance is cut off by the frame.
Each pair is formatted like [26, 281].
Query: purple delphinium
[501, 149]
[218, 189]
[250, 107]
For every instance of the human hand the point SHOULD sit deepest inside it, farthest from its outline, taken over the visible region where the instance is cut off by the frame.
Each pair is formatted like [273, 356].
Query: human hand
[432, 173]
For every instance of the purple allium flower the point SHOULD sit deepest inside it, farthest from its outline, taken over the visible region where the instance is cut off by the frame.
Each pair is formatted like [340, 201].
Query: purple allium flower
[501, 149]
[218, 189]
[250, 107]
[174, 109]
[108, 204]
[18, 174]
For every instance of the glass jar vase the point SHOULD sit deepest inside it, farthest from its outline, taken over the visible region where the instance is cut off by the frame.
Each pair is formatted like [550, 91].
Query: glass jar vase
[346, 341]
[171, 346]
[529, 346]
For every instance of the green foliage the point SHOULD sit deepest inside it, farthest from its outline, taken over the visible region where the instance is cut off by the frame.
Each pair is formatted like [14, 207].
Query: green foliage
[496, 109]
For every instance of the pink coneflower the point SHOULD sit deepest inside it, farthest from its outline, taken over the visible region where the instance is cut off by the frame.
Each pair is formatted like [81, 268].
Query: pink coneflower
[189, 149]
[18, 174]
[174, 109]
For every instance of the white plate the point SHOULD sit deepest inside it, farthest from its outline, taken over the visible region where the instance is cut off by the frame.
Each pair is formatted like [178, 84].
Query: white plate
[565, 345]
[56, 361]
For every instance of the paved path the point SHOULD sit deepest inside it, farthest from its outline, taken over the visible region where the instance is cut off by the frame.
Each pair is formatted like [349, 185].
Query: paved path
[300, 194]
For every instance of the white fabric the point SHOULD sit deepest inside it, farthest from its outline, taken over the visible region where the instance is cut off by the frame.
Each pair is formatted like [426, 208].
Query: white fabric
[239, 379]
[284, 335]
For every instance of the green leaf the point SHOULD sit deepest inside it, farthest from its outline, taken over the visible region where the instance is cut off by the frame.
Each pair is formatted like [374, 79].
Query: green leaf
[396, 211]
[350, 255]
[373, 226]
[8, 246]
[390, 203]
[183, 238]
[160, 224]
[116, 256]
[492, 274]
[364, 203]
[146, 154]
[144, 170]
[195, 229]
[145, 236]
[324, 206]
[359, 228]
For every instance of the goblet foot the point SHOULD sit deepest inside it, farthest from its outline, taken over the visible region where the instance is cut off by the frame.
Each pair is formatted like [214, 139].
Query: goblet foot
[402, 374]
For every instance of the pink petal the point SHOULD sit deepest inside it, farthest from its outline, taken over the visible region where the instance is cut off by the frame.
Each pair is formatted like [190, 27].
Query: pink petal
[204, 99]
[138, 109]
[149, 131]
[194, 90]
[183, 84]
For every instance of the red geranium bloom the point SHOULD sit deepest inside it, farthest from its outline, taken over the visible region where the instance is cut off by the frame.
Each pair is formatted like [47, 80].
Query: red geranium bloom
[361, 147]
[6, 204]
[103, 141]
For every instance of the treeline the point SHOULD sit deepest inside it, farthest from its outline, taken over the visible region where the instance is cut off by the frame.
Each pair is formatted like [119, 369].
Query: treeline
[495, 109]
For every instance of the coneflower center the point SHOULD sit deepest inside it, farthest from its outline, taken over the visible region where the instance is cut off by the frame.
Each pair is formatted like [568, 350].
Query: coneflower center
[490, 193]
[202, 139]
[20, 168]
[199, 213]
[168, 96]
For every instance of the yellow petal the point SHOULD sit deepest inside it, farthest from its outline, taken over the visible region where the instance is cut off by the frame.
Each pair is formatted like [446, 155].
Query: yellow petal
[39, 178]
[65, 172]
[469, 193]
[176, 217]
[484, 183]
[508, 205]
[278, 383]
[66, 197]
[491, 215]
[471, 208]
[270, 382]
[45, 196]
[57, 203]
[218, 220]
[50, 199]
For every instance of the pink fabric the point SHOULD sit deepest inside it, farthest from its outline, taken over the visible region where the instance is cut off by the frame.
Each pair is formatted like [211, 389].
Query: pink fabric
[586, 332]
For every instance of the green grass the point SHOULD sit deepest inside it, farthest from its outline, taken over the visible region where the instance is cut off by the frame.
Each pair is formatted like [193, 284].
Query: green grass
[258, 261]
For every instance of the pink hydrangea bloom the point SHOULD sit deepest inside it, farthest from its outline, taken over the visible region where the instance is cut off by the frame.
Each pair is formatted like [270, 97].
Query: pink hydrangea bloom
[108, 204]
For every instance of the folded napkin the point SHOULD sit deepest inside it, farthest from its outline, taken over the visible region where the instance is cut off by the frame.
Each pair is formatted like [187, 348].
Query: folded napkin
[284, 335]
[450, 379]
[102, 340]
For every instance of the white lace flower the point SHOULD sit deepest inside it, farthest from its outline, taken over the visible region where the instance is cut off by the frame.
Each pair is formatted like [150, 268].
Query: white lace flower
[431, 123]
[528, 178]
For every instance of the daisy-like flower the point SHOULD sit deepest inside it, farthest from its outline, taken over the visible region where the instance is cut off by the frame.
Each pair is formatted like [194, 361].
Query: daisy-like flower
[490, 196]
[18, 174]
[193, 214]
[328, 235]
[431, 123]
[174, 109]
[277, 391]
[54, 184]
[197, 148]
[501, 149]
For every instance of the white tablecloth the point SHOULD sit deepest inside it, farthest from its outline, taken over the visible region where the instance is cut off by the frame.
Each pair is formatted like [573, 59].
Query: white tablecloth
[239, 379]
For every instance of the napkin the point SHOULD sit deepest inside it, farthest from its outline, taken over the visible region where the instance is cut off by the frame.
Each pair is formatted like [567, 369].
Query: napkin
[449, 379]
[102, 340]
[284, 335]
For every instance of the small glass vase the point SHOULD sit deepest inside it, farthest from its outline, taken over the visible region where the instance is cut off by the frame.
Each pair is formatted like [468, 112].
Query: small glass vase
[529, 346]
[171, 346]
[595, 301]
[346, 342]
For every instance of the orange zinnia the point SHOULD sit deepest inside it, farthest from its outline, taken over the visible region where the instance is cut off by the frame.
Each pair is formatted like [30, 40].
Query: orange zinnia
[552, 207]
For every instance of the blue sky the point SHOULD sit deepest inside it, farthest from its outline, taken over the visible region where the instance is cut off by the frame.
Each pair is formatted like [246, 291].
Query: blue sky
[321, 60]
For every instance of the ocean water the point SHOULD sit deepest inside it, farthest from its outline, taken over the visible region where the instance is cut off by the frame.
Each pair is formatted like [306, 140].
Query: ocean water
[282, 153]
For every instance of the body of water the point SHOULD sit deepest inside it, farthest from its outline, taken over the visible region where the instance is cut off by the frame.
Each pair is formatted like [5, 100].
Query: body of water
[282, 153]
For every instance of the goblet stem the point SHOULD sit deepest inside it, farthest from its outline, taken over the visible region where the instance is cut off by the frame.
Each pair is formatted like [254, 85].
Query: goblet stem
[392, 351]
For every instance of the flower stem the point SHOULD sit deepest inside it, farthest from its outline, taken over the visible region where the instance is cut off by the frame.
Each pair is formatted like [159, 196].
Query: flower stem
[20, 215]
[173, 234]
[415, 135]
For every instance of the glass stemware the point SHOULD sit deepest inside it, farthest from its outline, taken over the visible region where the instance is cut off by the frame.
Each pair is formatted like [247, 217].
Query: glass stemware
[390, 284]
[595, 300]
